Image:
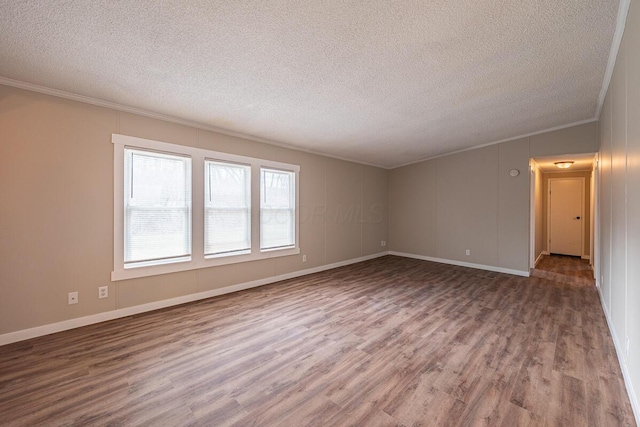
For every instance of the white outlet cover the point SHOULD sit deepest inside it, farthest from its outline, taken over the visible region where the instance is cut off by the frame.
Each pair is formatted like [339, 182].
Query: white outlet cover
[103, 292]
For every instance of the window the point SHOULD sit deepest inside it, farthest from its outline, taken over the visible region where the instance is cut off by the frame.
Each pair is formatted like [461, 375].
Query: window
[277, 209]
[157, 213]
[179, 208]
[227, 219]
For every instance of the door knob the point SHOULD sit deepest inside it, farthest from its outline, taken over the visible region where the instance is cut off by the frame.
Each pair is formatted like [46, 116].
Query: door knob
[577, 217]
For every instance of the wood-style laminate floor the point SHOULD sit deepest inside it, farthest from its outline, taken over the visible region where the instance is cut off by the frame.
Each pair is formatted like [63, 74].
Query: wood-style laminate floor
[564, 268]
[390, 341]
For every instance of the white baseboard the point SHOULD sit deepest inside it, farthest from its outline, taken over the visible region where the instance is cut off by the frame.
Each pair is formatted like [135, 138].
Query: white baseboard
[585, 257]
[546, 253]
[462, 264]
[38, 331]
[538, 259]
[633, 398]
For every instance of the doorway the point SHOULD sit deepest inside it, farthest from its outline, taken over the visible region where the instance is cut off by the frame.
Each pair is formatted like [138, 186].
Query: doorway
[565, 213]
[571, 230]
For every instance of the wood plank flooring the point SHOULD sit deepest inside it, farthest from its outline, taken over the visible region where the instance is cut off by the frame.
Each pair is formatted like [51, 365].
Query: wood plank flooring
[564, 268]
[387, 342]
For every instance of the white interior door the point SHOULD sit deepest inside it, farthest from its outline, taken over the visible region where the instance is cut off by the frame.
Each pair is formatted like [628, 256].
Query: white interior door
[566, 217]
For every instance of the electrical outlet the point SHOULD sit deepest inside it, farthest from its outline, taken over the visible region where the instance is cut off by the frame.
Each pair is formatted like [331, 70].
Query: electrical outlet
[304, 258]
[72, 298]
[467, 252]
[103, 292]
[383, 243]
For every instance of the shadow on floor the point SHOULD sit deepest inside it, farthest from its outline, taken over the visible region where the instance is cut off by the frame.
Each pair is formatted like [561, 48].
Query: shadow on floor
[565, 269]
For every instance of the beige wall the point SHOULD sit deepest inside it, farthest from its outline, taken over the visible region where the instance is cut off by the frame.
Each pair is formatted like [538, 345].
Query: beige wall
[574, 140]
[586, 247]
[56, 215]
[412, 209]
[513, 205]
[619, 202]
[461, 196]
[441, 207]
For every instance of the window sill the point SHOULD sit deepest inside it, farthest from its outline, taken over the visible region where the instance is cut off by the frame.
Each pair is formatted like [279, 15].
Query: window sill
[175, 267]
[156, 263]
[228, 254]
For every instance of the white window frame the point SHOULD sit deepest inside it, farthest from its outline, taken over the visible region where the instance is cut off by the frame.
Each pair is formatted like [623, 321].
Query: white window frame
[206, 186]
[198, 259]
[128, 209]
[263, 208]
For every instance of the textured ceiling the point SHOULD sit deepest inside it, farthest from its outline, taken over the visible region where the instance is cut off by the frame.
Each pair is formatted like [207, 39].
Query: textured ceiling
[381, 82]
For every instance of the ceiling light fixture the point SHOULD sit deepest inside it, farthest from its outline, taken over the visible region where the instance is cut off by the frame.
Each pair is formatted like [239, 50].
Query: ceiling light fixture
[563, 164]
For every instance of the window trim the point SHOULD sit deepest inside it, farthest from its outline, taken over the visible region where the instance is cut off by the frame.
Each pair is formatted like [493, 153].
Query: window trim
[129, 209]
[295, 229]
[207, 185]
[198, 259]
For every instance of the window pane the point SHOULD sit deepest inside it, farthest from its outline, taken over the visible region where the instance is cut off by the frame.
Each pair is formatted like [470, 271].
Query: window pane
[157, 206]
[277, 209]
[227, 221]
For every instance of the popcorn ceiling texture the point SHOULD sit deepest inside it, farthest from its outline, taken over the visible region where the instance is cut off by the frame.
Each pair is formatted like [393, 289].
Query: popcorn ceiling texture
[382, 82]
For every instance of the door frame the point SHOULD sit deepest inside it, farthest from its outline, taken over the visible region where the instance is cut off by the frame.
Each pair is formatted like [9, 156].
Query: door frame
[582, 212]
[532, 212]
[595, 229]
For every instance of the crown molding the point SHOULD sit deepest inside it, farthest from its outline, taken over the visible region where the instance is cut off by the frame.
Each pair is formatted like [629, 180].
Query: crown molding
[569, 125]
[167, 118]
[623, 11]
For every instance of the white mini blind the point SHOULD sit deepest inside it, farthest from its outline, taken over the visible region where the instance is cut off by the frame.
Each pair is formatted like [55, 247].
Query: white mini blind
[227, 220]
[277, 209]
[157, 200]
